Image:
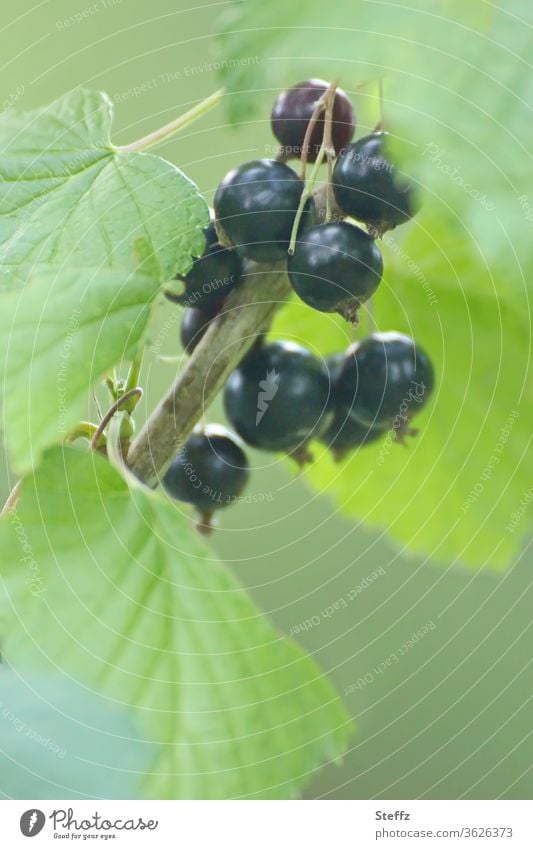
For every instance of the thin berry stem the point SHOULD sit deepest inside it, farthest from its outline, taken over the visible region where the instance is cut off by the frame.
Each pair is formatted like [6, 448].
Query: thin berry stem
[381, 123]
[330, 151]
[83, 430]
[319, 108]
[174, 126]
[12, 499]
[328, 99]
[120, 404]
[306, 194]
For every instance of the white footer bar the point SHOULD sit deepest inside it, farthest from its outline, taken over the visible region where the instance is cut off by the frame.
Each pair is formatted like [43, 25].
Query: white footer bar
[268, 824]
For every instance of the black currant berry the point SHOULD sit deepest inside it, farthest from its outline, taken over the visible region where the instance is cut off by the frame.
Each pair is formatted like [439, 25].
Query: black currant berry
[256, 204]
[344, 433]
[277, 398]
[335, 268]
[212, 276]
[209, 472]
[291, 114]
[368, 187]
[195, 323]
[385, 380]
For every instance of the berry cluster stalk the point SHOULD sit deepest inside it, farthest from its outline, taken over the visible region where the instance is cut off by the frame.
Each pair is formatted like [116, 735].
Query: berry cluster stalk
[248, 312]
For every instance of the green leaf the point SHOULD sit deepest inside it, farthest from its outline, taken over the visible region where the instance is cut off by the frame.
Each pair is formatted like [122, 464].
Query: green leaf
[49, 726]
[118, 592]
[58, 336]
[456, 491]
[275, 44]
[68, 196]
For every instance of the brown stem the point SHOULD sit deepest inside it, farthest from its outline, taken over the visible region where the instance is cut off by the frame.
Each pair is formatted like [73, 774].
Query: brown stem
[329, 148]
[247, 313]
[317, 111]
[12, 499]
[381, 123]
[114, 408]
[327, 98]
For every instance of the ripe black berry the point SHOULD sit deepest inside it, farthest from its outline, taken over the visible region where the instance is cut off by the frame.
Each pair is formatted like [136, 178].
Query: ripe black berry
[291, 114]
[195, 323]
[386, 379]
[256, 204]
[368, 187]
[335, 268]
[277, 398]
[210, 471]
[212, 276]
[344, 433]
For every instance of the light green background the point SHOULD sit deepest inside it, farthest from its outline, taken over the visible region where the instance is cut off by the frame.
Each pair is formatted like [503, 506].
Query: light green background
[452, 715]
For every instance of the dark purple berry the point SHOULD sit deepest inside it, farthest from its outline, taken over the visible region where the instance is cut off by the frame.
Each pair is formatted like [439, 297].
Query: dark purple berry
[291, 114]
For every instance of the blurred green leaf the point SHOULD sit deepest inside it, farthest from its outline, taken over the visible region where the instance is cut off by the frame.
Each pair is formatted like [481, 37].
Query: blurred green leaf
[453, 491]
[117, 591]
[61, 740]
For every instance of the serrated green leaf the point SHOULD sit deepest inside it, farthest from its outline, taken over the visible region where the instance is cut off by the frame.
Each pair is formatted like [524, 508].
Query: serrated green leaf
[123, 596]
[456, 491]
[68, 196]
[58, 336]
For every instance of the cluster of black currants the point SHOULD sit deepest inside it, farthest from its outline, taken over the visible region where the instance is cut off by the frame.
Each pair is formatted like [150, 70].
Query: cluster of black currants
[281, 396]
